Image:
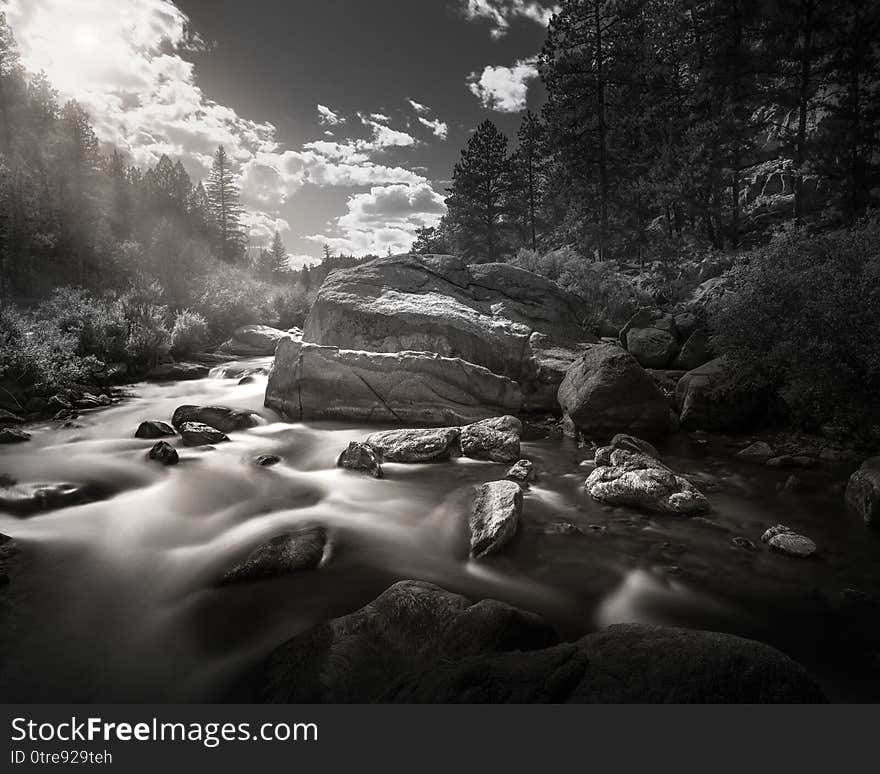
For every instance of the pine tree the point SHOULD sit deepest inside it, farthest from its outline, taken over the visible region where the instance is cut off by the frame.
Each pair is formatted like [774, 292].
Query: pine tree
[225, 208]
[530, 179]
[11, 83]
[478, 205]
[278, 265]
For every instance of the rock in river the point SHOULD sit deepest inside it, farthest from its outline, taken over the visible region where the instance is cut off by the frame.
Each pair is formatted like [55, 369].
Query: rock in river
[495, 516]
[225, 419]
[199, 434]
[522, 470]
[13, 435]
[163, 453]
[428, 445]
[707, 402]
[496, 439]
[154, 429]
[256, 340]
[863, 491]
[359, 456]
[298, 549]
[29, 498]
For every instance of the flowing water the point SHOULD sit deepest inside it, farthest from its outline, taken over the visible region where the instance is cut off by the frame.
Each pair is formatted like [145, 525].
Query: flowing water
[116, 600]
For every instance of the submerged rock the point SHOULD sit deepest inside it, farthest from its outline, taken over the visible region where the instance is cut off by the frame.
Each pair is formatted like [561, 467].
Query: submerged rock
[164, 453]
[199, 434]
[495, 516]
[298, 549]
[523, 471]
[496, 439]
[633, 444]
[606, 392]
[223, 418]
[13, 435]
[792, 544]
[359, 456]
[420, 643]
[27, 499]
[428, 445]
[266, 460]
[154, 429]
[863, 492]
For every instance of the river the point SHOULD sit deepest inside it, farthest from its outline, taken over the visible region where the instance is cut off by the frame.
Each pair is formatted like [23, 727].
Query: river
[115, 600]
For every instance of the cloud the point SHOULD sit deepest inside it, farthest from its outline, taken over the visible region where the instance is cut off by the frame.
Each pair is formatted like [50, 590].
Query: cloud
[501, 13]
[422, 110]
[504, 88]
[385, 217]
[439, 128]
[383, 135]
[327, 117]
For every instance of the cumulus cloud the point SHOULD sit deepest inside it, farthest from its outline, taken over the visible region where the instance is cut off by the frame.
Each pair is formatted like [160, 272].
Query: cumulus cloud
[327, 117]
[504, 88]
[426, 118]
[501, 13]
[385, 218]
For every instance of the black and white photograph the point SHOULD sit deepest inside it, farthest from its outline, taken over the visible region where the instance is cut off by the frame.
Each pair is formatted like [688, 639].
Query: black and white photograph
[439, 352]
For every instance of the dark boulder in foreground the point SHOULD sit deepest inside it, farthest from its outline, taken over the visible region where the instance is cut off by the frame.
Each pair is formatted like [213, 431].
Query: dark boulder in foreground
[225, 419]
[419, 643]
[359, 456]
[297, 549]
[163, 453]
[154, 429]
[863, 491]
[198, 434]
[607, 392]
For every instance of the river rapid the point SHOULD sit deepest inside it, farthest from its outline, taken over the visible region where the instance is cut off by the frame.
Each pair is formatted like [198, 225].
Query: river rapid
[116, 600]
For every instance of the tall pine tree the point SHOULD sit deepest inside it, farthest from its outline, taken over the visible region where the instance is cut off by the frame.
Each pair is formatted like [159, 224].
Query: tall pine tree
[225, 209]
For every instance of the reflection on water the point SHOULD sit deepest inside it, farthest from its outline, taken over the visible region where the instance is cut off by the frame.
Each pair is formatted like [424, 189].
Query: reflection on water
[115, 600]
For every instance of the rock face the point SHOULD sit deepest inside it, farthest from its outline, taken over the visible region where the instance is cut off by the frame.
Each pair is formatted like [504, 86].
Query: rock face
[163, 453]
[359, 456]
[484, 314]
[414, 445]
[420, 643]
[495, 439]
[651, 337]
[154, 429]
[607, 392]
[414, 388]
[198, 434]
[863, 491]
[256, 340]
[706, 403]
[299, 549]
[227, 420]
[13, 435]
[495, 516]
[638, 480]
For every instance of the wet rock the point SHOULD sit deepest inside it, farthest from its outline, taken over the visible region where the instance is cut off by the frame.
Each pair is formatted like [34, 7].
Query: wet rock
[298, 549]
[779, 529]
[410, 627]
[87, 401]
[428, 445]
[633, 444]
[177, 372]
[8, 549]
[523, 471]
[9, 418]
[638, 480]
[744, 543]
[58, 403]
[561, 528]
[602, 456]
[154, 429]
[256, 340]
[227, 420]
[759, 451]
[249, 379]
[266, 460]
[404, 388]
[495, 439]
[420, 643]
[495, 516]
[199, 434]
[30, 498]
[163, 453]
[607, 392]
[13, 435]
[359, 456]
[792, 544]
[862, 495]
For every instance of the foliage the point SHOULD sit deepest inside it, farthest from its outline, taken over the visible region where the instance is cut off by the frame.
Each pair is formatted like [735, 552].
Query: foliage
[804, 321]
[189, 333]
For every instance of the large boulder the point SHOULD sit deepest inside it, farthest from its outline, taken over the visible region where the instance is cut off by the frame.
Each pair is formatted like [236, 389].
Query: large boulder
[708, 402]
[607, 392]
[296, 549]
[484, 314]
[495, 516]
[695, 351]
[199, 434]
[863, 491]
[256, 340]
[415, 388]
[638, 480]
[154, 429]
[222, 418]
[651, 337]
[413, 445]
[496, 439]
[419, 643]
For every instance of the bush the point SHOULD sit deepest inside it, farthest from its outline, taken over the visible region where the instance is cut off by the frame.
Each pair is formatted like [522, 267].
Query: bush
[189, 334]
[147, 337]
[290, 306]
[804, 321]
[610, 298]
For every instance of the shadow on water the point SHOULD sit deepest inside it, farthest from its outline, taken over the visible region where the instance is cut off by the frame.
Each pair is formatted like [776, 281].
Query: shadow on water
[116, 600]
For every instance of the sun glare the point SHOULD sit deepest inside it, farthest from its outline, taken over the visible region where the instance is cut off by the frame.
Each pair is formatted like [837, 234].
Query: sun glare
[85, 39]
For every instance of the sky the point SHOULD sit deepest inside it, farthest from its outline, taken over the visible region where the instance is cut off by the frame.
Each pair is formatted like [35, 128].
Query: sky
[344, 117]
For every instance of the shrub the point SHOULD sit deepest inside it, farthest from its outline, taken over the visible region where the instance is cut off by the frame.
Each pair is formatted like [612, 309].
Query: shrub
[189, 334]
[290, 306]
[147, 337]
[803, 320]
